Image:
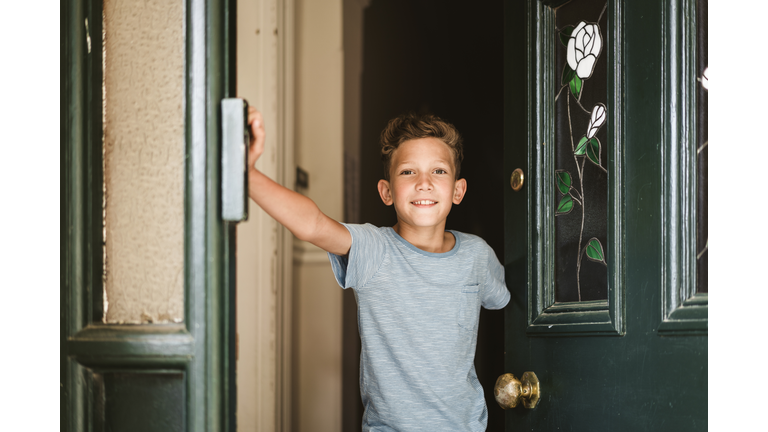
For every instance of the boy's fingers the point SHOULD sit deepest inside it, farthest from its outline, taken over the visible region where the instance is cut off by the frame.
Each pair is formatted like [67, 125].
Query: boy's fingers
[254, 118]
[256, 123]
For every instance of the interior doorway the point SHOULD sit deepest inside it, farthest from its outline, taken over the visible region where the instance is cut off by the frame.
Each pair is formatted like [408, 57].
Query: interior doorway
[428, 56]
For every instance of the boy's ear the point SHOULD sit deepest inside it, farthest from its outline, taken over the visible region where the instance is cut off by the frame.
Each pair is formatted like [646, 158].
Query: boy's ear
[385, 192]
[459, 190]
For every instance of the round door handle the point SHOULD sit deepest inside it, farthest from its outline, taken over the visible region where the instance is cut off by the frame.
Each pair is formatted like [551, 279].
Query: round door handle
[511, 391]
[517, 179]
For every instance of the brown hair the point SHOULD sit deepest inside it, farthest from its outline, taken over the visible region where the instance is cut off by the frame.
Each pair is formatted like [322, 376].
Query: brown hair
[414, 126]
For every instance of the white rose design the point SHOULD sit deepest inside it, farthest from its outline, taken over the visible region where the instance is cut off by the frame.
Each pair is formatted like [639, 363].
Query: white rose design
[597, 120]
[584, 47]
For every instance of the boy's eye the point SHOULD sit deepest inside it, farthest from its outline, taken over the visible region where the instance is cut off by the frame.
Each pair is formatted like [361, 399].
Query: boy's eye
[441, 171]
[406, 172]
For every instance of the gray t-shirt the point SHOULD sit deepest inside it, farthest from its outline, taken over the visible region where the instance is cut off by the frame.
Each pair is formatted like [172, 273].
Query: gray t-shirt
[417, 314]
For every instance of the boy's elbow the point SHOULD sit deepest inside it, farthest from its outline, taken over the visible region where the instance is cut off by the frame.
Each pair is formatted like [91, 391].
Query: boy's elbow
[312, 230]
[321, 233]
[303, 235]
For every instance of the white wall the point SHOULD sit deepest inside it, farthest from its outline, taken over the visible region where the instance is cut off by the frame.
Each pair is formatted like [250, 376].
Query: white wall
[319, 150]
[263, 247]
[289, 306]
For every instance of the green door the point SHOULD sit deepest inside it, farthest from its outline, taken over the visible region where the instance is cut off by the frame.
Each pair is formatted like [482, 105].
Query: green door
[608, 283]
[164, 375]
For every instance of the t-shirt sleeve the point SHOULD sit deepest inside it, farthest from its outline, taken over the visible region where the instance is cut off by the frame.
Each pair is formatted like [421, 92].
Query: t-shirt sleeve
[364, 258]
[495, 295]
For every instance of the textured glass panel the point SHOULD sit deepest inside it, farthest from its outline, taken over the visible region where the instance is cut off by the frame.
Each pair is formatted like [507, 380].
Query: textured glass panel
[581, 152]
[702, 237]
[144, 161]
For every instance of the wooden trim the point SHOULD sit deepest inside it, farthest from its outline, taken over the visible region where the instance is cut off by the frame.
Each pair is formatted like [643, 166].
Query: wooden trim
[546, 318]
[195, 213]
[207, 242]
[683, 311]
[285, 302]
[81, 175]
[305, 253]
[132, 346]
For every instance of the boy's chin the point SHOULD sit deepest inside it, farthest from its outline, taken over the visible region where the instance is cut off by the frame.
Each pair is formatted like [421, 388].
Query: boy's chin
[421, 223]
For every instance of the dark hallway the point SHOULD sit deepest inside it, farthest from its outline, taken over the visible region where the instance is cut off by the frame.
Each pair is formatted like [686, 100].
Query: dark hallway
[444, 58]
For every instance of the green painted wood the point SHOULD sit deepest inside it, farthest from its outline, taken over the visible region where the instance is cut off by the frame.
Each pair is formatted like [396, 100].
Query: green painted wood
[684, 311]
[640, 380]
[208, 239]
[154, 345]
[80, 220]
[199, 353]
[147, 402]
[544, 315]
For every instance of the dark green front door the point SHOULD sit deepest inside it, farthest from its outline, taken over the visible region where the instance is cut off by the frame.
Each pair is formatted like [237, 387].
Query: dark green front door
[616, 331]
[146, 377]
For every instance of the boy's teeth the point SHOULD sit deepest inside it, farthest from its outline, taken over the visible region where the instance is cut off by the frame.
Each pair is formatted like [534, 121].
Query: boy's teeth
[423, 202]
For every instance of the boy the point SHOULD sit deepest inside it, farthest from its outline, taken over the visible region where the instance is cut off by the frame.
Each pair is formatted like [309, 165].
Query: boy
[418, 287]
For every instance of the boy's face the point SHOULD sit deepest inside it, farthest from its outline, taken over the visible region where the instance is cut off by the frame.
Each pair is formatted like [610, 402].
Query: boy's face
[422, 185]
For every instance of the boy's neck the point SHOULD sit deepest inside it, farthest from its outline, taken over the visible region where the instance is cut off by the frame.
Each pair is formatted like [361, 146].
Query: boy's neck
[428, 239]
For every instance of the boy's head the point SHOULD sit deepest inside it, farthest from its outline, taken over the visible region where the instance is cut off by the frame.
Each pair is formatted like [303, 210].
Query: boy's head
[422, 156]
[414, 126]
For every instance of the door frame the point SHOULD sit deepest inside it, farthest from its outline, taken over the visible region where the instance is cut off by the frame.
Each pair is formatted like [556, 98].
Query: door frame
[684, 311]
[202, 347]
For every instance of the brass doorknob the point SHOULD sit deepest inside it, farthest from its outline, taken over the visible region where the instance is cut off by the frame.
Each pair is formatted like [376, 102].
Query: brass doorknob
[510, 391]
[517, 179]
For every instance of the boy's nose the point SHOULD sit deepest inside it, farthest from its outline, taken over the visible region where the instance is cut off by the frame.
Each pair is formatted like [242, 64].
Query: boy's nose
[424, 183]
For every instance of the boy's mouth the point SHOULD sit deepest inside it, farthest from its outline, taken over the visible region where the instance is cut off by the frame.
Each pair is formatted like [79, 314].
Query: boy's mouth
[423, 202]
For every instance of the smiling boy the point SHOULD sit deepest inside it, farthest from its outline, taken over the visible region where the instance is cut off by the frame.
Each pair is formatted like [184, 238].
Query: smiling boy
[418, 287]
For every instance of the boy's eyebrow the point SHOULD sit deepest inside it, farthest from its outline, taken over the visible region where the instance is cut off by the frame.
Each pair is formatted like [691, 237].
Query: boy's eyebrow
[439, 161]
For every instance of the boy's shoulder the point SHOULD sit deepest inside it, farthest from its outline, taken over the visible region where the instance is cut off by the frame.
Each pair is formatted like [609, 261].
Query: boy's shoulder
[365, 227]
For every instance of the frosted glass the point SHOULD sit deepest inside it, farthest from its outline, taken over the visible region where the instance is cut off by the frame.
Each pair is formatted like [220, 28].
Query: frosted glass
[144, 161]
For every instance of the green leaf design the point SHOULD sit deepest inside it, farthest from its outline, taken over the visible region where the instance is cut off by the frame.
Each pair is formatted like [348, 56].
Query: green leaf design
[568, 74]
[565, 206]
[575, 85]
[595, 250]
[563, 181]
[593, 151]
[565, 34]
[581, 148]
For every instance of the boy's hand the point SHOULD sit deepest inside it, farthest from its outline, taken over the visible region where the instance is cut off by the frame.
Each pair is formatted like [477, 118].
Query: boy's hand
[256, 123]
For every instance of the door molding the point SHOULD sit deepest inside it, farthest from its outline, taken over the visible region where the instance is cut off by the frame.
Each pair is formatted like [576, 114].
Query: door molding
[684, 311]
[81, 175]
[587, 318]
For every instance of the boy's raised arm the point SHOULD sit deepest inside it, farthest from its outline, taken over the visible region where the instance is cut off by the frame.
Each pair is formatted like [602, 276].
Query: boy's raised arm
[293, 210]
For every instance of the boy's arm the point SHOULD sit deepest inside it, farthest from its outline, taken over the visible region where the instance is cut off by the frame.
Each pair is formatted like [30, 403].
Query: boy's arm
[293, 210]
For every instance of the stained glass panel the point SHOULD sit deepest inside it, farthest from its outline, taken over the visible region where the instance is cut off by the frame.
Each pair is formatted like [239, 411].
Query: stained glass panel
[581, 152]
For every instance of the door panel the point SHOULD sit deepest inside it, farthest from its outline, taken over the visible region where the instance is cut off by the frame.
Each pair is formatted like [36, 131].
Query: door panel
[543, 78]
[161, 377]
[637, 361]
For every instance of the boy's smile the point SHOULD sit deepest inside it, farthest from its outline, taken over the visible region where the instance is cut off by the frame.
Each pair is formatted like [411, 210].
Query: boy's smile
[422, 186]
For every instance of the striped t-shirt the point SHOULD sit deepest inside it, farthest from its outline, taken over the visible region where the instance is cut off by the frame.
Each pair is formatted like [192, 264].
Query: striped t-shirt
[417, 315]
